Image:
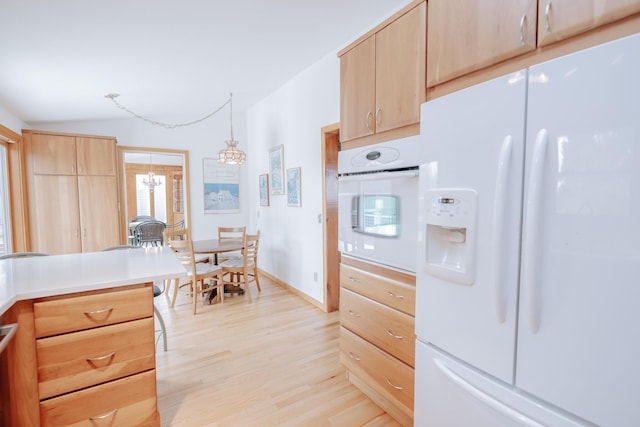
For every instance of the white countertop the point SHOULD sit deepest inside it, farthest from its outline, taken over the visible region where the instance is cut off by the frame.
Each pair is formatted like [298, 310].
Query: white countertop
[35, 277]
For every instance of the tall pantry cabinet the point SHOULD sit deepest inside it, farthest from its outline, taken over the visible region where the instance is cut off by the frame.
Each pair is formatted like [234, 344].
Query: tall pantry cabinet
[73, 192]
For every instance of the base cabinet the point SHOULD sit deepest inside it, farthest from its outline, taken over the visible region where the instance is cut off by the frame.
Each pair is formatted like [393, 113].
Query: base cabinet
[84, 360]
[377, 334]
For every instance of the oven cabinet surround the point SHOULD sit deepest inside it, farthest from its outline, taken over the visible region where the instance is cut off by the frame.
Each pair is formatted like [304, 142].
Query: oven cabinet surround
[72, 190]
[467, 35]
[377, 334]
[84, 351]
[382, 78]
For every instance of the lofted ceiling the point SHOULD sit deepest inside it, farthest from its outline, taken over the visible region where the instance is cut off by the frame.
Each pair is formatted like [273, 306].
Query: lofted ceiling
[166, 58]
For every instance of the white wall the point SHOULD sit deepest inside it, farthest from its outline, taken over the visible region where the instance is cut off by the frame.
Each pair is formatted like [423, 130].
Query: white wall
[10, 121]
[291, 247]
[201, 140]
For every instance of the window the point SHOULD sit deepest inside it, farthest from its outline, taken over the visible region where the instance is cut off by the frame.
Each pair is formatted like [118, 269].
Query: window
[5, 217]
[151, 202]
[376, 214]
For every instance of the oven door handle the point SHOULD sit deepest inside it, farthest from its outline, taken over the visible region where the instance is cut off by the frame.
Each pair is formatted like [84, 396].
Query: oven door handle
[381, 175]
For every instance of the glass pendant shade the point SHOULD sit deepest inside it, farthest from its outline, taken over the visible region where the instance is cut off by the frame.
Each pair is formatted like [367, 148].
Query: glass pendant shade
[231, 155]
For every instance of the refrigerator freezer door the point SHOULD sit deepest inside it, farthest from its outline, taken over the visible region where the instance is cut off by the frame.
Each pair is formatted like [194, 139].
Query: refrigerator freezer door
[451, 394]
[469, 216]
[579, 319]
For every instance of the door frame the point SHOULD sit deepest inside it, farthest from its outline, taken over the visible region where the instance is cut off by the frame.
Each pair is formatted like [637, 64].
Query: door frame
[330, 137]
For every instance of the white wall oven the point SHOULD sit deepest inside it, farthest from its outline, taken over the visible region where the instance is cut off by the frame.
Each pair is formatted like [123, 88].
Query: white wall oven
[378, 203]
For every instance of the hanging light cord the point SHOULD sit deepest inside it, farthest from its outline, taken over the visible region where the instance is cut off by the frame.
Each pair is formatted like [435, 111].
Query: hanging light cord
[113, 96]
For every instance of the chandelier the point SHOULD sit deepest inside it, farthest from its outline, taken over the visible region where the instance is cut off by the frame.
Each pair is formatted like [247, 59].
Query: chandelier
[150, 180]
[231, 155]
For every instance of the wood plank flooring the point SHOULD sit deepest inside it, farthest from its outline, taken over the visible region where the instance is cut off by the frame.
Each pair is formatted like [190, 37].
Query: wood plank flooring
[272, 362]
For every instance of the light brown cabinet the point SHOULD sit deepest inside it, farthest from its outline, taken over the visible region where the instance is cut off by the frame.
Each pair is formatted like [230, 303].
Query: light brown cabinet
[560, 19]
[377, 334]
[83, 359]
[467, 35]
[382, 78]
[72, 192]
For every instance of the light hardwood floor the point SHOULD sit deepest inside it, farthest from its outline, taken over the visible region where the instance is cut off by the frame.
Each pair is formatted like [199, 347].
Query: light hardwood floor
[272, 362]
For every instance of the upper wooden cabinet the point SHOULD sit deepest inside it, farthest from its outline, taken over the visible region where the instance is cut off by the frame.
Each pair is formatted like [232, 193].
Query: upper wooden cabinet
[560, 19]
[55, 154]
[72, 189]
[382, 78]
[467, 35]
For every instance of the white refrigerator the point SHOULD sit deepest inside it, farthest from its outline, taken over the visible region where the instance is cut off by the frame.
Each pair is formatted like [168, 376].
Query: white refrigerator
[528, 275]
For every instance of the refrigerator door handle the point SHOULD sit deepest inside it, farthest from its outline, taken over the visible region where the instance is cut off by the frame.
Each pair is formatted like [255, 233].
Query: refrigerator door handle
[504, 164]
[485, 398]
[531, 238]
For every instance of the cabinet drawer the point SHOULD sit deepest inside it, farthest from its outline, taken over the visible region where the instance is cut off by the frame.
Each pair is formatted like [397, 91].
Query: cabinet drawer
[393, 293]
[127, 402]
[383, 326]
[392, 377]
[81, 359]
[58, 316]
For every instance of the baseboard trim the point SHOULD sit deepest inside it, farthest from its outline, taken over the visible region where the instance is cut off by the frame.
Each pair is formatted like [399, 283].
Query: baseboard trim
[293, 290]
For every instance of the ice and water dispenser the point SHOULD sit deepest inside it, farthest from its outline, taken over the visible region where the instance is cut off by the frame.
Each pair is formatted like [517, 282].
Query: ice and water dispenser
[450, 221]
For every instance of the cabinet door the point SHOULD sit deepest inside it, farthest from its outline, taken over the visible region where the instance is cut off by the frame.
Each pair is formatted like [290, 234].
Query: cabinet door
[467, 35]
[96, 156]
[99, 213]
[54, 214]
[357, 91]
[400, 68]
[53, 154]
[560, 19]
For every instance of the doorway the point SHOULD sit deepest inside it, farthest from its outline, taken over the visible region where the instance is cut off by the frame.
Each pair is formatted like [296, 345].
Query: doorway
[153, 182]
[330, 148]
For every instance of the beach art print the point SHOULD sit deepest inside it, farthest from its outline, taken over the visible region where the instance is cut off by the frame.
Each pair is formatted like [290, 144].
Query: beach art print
[221, 187]
[276, 170]
[293, 187]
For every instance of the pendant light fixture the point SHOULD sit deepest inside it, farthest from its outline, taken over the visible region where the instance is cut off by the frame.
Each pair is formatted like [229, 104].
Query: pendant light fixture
[150, 180]
[231, 155]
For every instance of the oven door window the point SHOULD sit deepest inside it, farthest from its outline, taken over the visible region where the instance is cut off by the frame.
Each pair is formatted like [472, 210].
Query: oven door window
[376, 214]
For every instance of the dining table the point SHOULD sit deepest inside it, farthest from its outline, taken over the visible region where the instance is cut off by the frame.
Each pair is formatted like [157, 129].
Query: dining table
[215, 247]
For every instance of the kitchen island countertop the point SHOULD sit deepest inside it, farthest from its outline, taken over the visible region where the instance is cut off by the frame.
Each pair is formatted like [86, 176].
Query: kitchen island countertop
[28, 278]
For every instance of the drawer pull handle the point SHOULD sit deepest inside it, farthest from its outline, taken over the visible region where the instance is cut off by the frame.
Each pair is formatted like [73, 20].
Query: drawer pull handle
[353, 279]
[395, 296]
[353, 313]
[356, 358]
[104, 310]
[397, 387]
[102, 417]
[398, 337]
[97, 359]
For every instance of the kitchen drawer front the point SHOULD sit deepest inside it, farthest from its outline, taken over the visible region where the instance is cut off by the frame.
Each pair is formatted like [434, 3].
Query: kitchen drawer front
[81, 359]
[126, 402]
[384, 327]
[401, 296]
[392, 377]
[58, 316]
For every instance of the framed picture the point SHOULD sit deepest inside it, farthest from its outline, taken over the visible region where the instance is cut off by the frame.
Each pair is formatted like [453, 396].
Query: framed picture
[276, 169]
[221, 187]
[293, 187]
[263, 185]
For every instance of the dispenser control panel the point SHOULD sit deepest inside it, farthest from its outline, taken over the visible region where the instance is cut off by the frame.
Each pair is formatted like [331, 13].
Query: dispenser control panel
[450, 232]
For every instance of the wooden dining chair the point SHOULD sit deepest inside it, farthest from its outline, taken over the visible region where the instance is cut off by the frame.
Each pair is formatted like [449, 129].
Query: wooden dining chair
[197, 273]
[231, 233]
[178, 234]
[244, 270]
